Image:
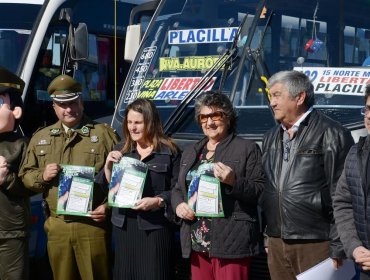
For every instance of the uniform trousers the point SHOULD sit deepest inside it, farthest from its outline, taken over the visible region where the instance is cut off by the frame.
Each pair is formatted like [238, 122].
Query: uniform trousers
[286, 259]
[14, 258]
[204, 267]
[77, 250]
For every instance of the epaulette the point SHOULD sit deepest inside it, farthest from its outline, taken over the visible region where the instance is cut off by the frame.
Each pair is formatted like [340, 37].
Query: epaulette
[37, 130]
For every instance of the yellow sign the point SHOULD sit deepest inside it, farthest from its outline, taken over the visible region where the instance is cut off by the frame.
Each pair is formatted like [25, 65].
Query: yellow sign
[190, 63]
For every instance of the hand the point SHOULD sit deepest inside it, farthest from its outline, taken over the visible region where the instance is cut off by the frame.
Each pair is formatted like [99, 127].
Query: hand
[99, 214]
[184, 212]
[113, 156]
[362, 257]
[337, 263]
[4, 170]
[224, 173]
[147, 203]
[51, 170]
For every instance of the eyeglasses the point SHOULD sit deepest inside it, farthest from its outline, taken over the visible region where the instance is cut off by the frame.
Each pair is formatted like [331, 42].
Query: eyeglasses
[215, 116]
[365, 110]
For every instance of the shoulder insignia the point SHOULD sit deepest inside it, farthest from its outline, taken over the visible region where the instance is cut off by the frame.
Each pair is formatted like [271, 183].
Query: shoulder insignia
[94, 139]
[85, 130]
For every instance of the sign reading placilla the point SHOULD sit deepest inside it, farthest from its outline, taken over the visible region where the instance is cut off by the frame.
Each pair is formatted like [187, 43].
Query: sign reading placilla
[337, 81]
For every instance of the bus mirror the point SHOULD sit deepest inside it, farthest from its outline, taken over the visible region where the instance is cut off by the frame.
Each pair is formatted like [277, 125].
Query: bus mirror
[79, 42]
[133, 37]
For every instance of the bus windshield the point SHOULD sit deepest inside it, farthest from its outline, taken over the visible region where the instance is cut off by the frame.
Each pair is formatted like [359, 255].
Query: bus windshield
[16, 22]
[327, 41]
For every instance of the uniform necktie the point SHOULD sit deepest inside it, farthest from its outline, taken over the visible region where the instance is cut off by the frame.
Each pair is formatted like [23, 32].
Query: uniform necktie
[69, 133]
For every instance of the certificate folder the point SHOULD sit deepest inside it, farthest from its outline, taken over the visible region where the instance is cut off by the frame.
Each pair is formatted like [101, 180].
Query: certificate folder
[127, 182]
[75, 190]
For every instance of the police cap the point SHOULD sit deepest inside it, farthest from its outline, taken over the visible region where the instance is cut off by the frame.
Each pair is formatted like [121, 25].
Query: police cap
[10, 82]
[64, 88]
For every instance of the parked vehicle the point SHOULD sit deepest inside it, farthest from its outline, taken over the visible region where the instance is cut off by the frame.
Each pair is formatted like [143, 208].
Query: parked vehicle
[235, 46]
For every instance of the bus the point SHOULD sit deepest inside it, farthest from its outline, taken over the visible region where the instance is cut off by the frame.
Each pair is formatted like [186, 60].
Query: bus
[40, 39]
[234, 46]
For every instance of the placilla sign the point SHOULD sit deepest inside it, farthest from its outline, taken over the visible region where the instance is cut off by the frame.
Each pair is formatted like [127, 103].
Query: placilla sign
[202, 36]
[340, 81]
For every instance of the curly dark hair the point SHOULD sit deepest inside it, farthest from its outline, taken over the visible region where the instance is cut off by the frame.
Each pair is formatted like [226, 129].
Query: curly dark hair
[215, 99]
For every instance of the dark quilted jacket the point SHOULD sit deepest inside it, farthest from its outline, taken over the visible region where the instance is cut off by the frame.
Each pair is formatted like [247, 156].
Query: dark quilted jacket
[235, 235]
[351, 202]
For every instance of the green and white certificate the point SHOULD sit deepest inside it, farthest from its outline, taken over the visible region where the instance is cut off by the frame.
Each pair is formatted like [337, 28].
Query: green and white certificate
[127, 182]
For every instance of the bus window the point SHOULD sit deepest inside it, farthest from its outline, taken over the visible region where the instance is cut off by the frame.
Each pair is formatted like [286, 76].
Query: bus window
[100, 76]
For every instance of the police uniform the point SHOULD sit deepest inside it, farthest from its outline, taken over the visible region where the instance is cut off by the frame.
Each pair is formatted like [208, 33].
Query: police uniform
[15, 214]
[77, 246]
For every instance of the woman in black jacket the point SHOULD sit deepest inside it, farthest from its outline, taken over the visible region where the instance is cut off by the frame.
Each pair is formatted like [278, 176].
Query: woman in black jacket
[143, 235]
[219, 231]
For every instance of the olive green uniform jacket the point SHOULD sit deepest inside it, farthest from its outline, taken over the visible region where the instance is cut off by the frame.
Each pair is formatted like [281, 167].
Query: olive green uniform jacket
[15, 213]
[88, 145]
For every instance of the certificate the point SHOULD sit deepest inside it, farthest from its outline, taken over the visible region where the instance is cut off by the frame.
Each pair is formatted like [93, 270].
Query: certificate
[127, 182]
[79, 195]
[130, 189]
[208, 190]
[204, 193]
[326, 271]
[75, 190]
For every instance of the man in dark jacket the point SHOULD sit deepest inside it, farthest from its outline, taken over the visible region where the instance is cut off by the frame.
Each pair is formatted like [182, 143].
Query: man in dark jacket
[351, 201]
[303, 157]
[15, 214]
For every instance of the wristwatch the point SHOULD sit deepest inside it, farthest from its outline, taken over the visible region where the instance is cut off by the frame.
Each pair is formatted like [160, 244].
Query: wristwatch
[161, 202]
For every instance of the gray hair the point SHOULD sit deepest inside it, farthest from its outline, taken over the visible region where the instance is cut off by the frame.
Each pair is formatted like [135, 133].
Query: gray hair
[296, 82]
[216, 99]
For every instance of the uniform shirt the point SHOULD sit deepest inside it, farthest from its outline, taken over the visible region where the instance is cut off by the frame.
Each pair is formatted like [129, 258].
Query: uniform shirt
[88, 145]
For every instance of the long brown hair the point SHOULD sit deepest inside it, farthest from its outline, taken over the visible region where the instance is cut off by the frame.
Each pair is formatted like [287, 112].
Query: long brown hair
[152, 126]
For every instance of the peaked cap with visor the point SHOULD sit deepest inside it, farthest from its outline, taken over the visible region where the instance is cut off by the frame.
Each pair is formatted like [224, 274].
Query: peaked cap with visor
[9, 82]
[64, 89]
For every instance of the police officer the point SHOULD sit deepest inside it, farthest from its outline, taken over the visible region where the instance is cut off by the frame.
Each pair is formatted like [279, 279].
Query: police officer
[77, 246]
[15, 216]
